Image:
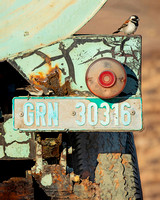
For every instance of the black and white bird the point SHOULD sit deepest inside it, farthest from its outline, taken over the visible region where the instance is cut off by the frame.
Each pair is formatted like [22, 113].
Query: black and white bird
[129, 26]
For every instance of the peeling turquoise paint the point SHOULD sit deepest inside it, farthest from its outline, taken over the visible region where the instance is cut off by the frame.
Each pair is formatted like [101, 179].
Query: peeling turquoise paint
[74, 55]
[17, 150]
[12, 135]
[31, 24]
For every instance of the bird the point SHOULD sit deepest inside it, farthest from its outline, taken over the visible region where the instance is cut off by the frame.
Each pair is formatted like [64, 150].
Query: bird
[129, 26]
[32, 90]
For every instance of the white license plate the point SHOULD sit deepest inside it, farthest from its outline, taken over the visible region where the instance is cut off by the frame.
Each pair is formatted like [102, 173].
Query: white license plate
[76, 114]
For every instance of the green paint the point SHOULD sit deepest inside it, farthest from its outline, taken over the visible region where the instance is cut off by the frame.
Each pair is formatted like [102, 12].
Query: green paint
[82, 51]
[1, 151]
[31, 24]
[17, 150]
[110, 102]
[12, 135]
[46, 180]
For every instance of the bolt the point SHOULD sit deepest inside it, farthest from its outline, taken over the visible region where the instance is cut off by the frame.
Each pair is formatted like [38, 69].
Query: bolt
[21, 114]
[121, 79]
[26, 33]
[73, 113]
[133, 112]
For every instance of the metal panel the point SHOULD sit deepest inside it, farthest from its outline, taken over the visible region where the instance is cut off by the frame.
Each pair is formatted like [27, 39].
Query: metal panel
[63, 65]
[31, 24]
[15, 145]
[76, 114]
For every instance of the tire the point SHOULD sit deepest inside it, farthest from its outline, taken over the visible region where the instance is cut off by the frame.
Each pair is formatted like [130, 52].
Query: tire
[108, 159]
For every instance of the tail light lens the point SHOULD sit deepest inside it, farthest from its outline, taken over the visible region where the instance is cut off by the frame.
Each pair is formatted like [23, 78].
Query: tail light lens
[106, 78]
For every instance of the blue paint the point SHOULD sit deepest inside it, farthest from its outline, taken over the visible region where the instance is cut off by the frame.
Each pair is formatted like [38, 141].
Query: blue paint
[52, 114]
[40, 113]
[125, 113]
[30, 121]
[92, 107]
[106, 114]
[82, 114]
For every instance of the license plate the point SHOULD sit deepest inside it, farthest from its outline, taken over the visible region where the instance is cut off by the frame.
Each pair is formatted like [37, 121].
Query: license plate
[76, 114]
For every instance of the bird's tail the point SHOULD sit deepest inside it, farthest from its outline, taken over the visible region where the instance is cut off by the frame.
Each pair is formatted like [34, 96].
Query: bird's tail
[116, 32]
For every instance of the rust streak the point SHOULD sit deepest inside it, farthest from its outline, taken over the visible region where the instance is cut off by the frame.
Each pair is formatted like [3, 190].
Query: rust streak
[116, 155]
[124, 161]
[111, 167]
[117, 183]
[16, 188]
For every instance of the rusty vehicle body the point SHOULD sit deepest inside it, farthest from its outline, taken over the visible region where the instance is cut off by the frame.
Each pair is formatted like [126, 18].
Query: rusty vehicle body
[72, 141]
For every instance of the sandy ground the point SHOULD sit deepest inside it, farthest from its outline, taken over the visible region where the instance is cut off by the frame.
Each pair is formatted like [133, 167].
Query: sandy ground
[107, 20]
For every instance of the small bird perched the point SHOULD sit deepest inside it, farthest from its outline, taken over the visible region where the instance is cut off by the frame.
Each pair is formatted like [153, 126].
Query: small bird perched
[129, 26]
[32, 90]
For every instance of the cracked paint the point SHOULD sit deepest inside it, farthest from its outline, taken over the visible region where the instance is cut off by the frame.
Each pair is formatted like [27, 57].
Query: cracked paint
[30, 33]
[74, 55]
[12, 135]
[46, 180]
[18, 150]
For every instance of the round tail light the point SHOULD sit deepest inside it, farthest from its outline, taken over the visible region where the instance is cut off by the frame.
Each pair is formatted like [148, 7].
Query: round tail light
[106, 78]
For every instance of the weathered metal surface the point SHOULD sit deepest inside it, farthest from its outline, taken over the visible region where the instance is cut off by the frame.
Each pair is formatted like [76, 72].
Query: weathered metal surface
[17, 188]
[87, 190]
[51, 81]
[50, 147]
[54, 181]
[63, 157]
[57, 184]
[110, 162]
[69, 60]
[30, 24]
[80, 114]
[15, 145]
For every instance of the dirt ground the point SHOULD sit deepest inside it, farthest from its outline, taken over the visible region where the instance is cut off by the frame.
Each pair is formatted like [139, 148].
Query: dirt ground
[107, 20]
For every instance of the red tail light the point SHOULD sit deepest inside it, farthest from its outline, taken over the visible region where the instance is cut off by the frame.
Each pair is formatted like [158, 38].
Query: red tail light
[106, 78]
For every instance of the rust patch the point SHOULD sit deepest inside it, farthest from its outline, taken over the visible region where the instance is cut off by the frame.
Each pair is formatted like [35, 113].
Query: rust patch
[116, 155]
[87, 190]
[60, 185]
[50, 147]
[117, 183]
[66, 186]
[111, 167]
[17, 188]
[51, 80]
[124, 161]
[85, 174]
